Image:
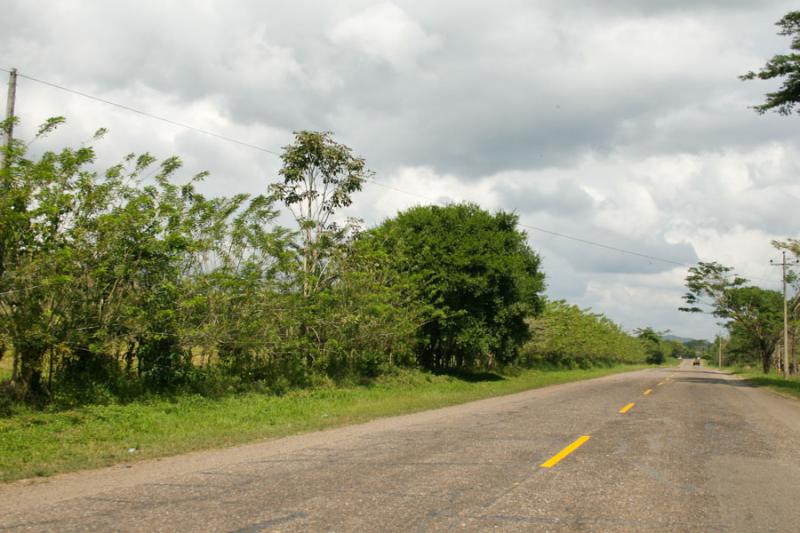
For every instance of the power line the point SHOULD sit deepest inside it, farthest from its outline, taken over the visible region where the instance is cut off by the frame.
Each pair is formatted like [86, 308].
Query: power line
[556, 233]
[146, 114]
[573, 238]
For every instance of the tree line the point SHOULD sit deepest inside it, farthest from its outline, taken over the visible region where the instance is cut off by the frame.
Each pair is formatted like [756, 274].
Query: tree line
[118, 283]
[752, 315]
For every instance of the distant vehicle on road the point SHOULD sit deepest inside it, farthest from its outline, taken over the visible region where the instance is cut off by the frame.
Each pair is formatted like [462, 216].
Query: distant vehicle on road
[696, 361]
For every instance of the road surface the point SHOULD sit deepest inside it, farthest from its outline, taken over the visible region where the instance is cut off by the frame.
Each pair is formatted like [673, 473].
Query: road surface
[701, 451]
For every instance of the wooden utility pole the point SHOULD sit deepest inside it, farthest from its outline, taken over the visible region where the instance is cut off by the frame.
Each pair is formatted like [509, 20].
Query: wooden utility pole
[8, 133]
[784, 264]
[9, 130]
[719, 359]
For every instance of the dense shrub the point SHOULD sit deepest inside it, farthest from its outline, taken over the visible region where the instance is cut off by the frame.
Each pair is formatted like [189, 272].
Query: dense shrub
[475, 276]
[568, 336]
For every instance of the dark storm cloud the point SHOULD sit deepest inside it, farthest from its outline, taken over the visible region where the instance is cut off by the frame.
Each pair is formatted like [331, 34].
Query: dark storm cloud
[514, 86]
[555, 196]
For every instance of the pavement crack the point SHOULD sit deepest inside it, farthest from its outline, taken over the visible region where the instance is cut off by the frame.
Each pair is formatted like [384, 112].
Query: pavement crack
[266, 524]
[661, 478]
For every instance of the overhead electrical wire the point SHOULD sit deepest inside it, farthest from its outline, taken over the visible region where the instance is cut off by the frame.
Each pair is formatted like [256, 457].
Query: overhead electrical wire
[273, 152]
[145, 113]
[556, 233]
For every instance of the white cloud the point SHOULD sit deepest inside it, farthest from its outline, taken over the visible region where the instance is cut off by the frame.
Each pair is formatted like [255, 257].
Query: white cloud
[253, 61]
[384, 32]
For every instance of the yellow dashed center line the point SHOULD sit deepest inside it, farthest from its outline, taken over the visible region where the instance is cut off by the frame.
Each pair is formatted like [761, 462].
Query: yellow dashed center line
[660, 384]
[648, 391]
[627, 408]
[553, 461]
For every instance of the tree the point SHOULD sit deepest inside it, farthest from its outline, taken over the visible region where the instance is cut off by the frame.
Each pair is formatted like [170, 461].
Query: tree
[653, 345]
[319, 177]
[680, 349]
[112, 285]
[476, 275]
[751, 312]
[697, 347]
[782, 66]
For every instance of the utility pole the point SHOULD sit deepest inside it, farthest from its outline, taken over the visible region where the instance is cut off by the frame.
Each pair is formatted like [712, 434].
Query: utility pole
[719, 359]
[9, 130]
[8, 133]
[783, 264]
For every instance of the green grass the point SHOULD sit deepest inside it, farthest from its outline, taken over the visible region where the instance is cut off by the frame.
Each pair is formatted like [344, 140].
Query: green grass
[41, 443]
[773, 381]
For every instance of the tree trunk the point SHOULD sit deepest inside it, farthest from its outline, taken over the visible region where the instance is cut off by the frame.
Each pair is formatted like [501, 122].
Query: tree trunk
[31, 357]
[766, 359]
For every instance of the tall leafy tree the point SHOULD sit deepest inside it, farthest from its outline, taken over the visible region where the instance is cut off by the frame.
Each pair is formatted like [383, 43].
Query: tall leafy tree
[786, 66]
[319, 177]
[749, 311]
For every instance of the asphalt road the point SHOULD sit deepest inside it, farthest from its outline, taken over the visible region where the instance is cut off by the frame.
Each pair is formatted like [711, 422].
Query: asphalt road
[700, 452]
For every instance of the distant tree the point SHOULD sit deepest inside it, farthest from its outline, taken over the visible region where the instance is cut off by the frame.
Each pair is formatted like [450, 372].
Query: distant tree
[680, 349]
[319, 177]
[476, 275]
[656, 353]
[752, 312]
[782, 66]
[697, 347]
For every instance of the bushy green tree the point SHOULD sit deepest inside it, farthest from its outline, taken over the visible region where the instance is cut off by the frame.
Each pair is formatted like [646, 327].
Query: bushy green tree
[476, 275]
[104, 274]
[655, 347]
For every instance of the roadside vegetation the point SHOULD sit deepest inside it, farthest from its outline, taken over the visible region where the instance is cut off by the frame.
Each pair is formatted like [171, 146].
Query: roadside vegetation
[140, 318]
[138, 314]
[36, 443]
[122, 284]
[789, 386]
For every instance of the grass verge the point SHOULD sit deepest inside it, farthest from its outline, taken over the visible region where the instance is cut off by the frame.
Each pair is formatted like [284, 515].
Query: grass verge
[41, 444]
[775, 382]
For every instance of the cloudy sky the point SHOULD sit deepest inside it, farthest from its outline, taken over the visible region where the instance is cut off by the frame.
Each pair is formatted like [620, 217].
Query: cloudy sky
[620, 122]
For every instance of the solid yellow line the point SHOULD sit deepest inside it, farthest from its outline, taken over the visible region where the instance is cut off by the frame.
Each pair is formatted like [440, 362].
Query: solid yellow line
[627, 408]
[553, 461]
[648, 391]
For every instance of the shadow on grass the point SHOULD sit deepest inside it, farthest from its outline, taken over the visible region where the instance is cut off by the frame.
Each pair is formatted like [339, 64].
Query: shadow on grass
[695, 371]
[789, 385]
[714, 381]
[471, 377]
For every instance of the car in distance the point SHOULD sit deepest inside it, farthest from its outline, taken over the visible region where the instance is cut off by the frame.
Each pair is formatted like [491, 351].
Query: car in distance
[696, 361]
